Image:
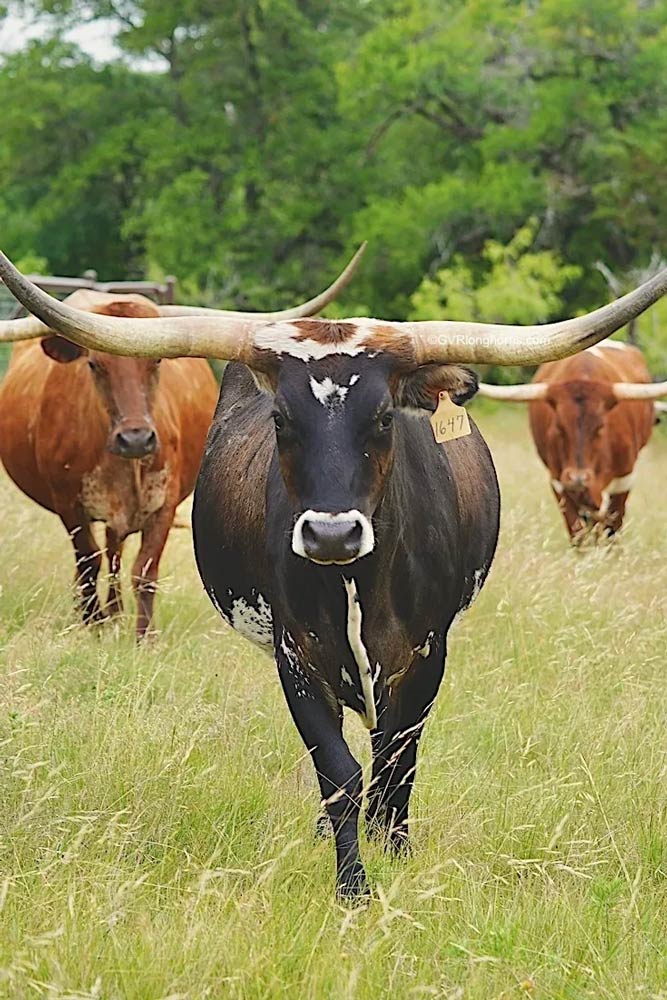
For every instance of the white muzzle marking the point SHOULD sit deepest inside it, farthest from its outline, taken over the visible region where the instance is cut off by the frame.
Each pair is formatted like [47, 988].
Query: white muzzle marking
[351, 517]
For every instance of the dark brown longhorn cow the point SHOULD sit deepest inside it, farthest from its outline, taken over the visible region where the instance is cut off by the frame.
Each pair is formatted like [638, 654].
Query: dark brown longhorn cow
[94, 437]
[331, 529]
[590, 416]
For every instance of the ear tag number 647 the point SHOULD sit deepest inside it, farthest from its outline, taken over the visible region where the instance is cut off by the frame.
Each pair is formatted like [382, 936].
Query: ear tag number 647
[449, 420]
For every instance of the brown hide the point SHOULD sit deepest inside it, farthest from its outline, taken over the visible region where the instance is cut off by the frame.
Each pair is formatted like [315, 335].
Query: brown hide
[56, 427]
[588, 441]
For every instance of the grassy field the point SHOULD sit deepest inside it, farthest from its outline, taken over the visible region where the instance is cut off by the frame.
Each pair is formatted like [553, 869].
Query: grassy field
[157, 807]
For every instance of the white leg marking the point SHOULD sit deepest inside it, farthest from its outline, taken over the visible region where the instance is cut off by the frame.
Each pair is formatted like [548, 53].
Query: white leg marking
[366, 544]
[359, 652]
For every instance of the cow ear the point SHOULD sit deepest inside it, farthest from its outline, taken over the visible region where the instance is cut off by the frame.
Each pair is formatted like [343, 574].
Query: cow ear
[419, 389]
[62, 350]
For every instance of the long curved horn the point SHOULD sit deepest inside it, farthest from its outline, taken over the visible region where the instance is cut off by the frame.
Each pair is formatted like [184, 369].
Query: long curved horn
[482, 343]
[210, 337]
[29, 327]
[524, 393]
[236, 338]
[640, 390]
[309, 308]
[25, 328]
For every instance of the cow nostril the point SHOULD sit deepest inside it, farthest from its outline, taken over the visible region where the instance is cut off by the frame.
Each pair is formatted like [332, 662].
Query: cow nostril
[135, 442]
[332, 541]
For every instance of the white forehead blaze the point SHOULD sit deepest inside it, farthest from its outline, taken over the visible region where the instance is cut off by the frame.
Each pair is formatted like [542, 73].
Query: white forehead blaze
[327, 392]
[284, 338]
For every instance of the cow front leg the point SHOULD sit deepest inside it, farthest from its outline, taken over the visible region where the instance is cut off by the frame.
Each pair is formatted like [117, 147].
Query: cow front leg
[88, 561]
[395, 743]
[576, 527]
[613, 518]
[339, 775]
[114, 605]
[147, 564]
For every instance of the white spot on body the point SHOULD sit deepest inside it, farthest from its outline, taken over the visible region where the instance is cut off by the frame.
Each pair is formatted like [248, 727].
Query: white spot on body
[354, 620]
[354, 379]
[254, 623]
[345, 677]
[425, 649]
[558, 486]
[478, 578]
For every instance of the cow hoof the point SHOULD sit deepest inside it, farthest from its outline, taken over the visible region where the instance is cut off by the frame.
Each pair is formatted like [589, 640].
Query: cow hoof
[353, 887]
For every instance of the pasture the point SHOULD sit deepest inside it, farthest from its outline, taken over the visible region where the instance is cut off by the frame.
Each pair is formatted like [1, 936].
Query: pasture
[157, 807]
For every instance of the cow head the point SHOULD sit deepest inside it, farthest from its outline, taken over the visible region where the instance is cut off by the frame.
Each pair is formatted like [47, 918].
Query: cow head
[125, 386]
[579, 440]
[335, 429]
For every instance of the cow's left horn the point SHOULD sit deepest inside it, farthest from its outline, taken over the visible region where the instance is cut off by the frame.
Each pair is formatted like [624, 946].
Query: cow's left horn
[482, 343]
[194, 336]
[640, 390]
[523, 393]
[309, 308]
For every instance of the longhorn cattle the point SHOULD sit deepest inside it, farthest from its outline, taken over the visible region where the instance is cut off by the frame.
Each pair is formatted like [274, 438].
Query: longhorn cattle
[590, 416]
[331, 529]
[94, 437]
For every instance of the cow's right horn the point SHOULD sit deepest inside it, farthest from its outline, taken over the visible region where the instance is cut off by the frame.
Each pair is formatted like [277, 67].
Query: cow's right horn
[639, 390]
[523, 393]
[309, 308]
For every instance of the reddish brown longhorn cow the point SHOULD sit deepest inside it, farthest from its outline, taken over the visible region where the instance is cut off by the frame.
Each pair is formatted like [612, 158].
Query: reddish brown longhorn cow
[590, 416]
[98, 438]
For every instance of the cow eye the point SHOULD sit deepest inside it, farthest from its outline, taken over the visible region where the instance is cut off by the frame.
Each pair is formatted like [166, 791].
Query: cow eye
[386, 420]
[279, 420]
[93, 365]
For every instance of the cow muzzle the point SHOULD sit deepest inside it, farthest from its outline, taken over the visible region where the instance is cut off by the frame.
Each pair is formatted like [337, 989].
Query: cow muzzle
[576, 481]
[327, 538]
[134, 442]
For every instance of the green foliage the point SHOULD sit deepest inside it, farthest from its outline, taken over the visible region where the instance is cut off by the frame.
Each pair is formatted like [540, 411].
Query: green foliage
[515, 285]
[248, 147]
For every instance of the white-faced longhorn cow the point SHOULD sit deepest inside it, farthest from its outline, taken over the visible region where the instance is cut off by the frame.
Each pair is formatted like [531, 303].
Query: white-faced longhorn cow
[330, 527]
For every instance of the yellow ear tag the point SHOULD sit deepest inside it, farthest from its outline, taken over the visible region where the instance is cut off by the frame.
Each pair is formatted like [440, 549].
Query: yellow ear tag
[449, 421]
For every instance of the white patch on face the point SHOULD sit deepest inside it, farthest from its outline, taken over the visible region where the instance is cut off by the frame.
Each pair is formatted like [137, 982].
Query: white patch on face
[366, 544]
[360, 653]
[254, 623]
[327, 392]
[558, 486]
[281, 338]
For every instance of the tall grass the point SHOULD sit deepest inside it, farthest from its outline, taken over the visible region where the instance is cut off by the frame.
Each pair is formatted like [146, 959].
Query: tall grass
[157, 807]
